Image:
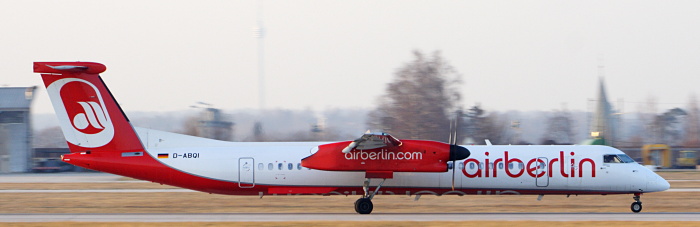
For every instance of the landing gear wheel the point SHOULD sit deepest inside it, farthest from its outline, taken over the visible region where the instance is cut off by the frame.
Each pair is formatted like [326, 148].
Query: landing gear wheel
[363, 206]
[636, 207]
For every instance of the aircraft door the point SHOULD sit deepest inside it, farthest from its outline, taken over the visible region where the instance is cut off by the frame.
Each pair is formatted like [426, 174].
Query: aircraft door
[246, 173]
[541, 169]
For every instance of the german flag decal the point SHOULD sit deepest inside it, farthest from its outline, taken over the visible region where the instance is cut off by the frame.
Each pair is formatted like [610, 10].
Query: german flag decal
[163, 155]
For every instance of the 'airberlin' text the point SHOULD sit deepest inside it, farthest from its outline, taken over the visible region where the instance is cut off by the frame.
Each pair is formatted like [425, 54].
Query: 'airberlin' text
[536, 167]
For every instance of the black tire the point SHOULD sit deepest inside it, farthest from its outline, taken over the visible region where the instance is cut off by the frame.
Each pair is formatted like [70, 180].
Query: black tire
[636, 207]
[363, 206]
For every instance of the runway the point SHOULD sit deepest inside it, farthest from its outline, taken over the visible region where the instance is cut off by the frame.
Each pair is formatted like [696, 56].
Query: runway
[272, 217]
[175, 190]
[263, 216]
[67, 177]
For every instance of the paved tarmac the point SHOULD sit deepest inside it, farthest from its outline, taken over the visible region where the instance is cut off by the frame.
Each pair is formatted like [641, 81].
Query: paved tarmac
[276, 217]
[178, 190]
[69, 177]
[273, 217]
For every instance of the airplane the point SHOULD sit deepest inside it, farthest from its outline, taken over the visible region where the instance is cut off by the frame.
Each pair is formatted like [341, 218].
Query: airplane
[100, 137]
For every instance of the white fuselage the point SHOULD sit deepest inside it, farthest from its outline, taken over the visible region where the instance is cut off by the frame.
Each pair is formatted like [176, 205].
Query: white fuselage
[486, 171]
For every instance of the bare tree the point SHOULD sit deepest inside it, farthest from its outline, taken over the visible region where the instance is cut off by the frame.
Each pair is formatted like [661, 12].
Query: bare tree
[692, 124]
[480, 126]
[648, 117]
[666, 126]
[560, 128]
[258, 133]
[475, 123]
[190, 126]
[418, 103]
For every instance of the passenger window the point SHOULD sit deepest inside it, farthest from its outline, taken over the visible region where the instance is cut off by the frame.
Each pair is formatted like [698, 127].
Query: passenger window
[510, 165]
[261, 166]
[298, 166]
[269, 166]
[471, 165]
[279, 166]
[500, 165]
[481, 165]
[290, 166]
[449, 165]
[461, 165]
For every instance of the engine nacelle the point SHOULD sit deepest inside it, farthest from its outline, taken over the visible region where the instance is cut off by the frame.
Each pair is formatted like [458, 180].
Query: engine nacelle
[409, 156]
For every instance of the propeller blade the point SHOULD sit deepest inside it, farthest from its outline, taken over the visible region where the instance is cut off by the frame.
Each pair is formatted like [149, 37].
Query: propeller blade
[453, 151]
[449, 138]
[454, 166]
[456, 152]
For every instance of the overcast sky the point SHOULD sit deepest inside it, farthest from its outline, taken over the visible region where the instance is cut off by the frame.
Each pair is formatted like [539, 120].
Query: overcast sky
[513, 55]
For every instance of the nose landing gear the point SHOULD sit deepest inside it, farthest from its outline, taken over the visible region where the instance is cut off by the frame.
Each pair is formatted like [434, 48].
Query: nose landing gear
[364, 205]
[637, 205]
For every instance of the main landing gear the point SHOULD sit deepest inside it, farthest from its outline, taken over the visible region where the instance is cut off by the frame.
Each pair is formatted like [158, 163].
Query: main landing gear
[637, 205]
[364, 205]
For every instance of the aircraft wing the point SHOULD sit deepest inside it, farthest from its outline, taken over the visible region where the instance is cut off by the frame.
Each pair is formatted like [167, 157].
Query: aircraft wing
[371, 141]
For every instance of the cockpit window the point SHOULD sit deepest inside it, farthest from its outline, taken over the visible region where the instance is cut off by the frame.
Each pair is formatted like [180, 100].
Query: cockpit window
[625, 158]
[617, 158]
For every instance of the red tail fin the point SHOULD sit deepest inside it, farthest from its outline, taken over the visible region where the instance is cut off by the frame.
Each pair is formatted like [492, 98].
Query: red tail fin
[89, 115]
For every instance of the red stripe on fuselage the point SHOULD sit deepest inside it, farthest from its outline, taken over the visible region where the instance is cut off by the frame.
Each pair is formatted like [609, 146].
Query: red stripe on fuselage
[149, 169]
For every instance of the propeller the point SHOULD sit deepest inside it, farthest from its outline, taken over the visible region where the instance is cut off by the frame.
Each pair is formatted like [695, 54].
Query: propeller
[456, 152]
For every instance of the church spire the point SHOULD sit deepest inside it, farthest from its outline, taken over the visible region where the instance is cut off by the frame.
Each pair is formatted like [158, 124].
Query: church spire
[603, 122]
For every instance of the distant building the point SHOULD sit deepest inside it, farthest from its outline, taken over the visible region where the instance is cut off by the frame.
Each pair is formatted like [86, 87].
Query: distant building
[15, 129]
[49, 160]
[212, 125]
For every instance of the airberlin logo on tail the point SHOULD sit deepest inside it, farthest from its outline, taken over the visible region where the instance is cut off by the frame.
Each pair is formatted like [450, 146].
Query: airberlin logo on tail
[81, 112]
[92, 118]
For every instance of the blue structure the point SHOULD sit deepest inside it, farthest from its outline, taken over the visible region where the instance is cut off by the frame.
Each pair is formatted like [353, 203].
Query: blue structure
[15, 129]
